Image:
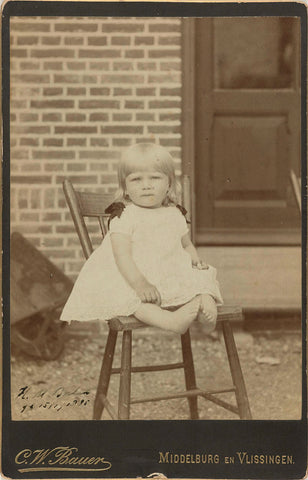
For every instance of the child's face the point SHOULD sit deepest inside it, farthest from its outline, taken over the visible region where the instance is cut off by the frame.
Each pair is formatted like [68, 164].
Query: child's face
[147, 188]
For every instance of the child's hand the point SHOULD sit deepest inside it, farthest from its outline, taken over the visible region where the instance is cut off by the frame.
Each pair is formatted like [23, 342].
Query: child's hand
[200, 264]
[148, 293]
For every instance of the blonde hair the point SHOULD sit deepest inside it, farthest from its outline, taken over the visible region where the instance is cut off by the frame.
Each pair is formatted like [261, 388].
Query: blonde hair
[143, 157]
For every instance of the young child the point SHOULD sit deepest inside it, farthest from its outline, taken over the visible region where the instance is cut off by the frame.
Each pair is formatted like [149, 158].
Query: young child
[146, 265]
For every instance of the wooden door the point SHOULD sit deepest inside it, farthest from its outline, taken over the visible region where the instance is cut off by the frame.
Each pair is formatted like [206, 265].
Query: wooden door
[247, 129]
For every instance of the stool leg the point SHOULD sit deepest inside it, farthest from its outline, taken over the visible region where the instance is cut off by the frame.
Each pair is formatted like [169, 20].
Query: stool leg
[190, 377]
[125, 376]
[236, 372]
[105, 373]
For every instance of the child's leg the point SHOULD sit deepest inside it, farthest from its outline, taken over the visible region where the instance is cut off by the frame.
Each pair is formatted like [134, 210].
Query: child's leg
[208, 312]
[177, 321]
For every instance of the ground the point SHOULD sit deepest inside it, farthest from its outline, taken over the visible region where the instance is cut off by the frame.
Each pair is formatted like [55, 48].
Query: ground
[64, 389]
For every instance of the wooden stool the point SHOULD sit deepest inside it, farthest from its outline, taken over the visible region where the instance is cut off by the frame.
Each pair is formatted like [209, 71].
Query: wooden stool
[85, 204]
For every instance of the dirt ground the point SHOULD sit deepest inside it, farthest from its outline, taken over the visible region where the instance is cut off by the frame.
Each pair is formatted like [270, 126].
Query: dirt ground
[64, 389]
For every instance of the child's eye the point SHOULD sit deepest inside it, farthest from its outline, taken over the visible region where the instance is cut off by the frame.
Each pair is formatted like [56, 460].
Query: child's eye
[156, 177]
[135, 179]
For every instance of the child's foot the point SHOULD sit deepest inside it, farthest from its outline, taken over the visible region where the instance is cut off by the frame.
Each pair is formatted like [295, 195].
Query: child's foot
[208, 313]
[184, 316]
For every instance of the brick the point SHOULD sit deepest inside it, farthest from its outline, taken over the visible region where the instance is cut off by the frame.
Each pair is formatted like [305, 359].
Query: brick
[52, 104]
[76, 142]
[76, 91]
[146, 91]
[29, 142]
[53, 142]
[53, 167]
[163, 129]
[134, 53]
[49, 198]
[75, 117]
[121, 78]
[52, 117]
[170, 92]
[121, 142]
[75, 129]
[25, 91]
[29, 65]
[20, 129]
[29, 217]
[137, 104]
[109, 178]
[127, 27]
[113, 129]
[163, 53]
[51, 40]
[122, 117]
[13, 117]
[29, 27]
[97, 41]
[52, 52]
[168, 40]
[145, 117]
[122, 91]
[19, 154]
[147, 66]
[170, 66]
[52, 242]
[99, 53]
[76, 167]
[170, 117]
[101, 66]
[120, 40]
[98, 167]
[99, 104]
[51, 217]
[98, 117]
[67, 78]
[99, 142]
[100, 91]
[28, 228]
[165, 104]
[52, 91]
[83, 179]
[86, 155]
[18, 104]
[56, 154]
[53, 66]
[89, 79]
[31, 167]
[164, 27]
[123, 66]
[76, 65]
[144, 40]
[60, 253]
[29, 78]
[76, 27]
[73, 40]
[30, 179]
[27, 40]
[101, 154]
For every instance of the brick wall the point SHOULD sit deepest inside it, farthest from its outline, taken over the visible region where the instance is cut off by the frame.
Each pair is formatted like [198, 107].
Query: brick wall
[81, 90]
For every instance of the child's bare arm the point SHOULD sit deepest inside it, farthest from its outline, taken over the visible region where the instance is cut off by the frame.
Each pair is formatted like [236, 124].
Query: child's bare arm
[190, 248]
[121, 246]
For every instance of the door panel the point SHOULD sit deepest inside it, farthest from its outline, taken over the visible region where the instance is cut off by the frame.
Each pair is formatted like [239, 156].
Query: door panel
[247, 129]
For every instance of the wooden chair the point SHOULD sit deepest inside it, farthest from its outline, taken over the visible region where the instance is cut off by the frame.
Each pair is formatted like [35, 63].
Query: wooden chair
[84, 204]
[296, 185]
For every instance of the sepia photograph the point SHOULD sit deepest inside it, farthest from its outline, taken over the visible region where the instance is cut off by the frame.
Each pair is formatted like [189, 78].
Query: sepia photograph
[156, 241]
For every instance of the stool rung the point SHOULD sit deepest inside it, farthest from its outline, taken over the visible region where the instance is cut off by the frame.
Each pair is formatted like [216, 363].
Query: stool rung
[221, 403]
[188, 393]
[153, 368]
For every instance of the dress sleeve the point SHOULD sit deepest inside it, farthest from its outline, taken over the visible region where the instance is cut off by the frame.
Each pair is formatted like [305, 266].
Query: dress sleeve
[122, 224]
[182, 224]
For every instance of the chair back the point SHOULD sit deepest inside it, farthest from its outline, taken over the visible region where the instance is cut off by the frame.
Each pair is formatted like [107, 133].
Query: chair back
[86, 204]
[296, 185]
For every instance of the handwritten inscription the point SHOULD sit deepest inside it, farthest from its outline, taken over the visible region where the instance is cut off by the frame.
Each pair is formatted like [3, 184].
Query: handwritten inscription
[30, 399]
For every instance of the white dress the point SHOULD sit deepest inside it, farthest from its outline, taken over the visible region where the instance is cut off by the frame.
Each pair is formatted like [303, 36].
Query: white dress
[101, 292]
